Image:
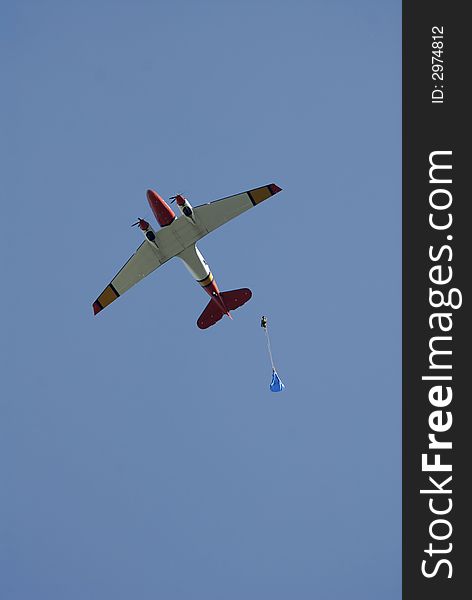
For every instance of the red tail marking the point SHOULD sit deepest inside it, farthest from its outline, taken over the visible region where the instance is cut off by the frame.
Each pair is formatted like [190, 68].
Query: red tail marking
[236, 298]
[231, 301]
[211, 315]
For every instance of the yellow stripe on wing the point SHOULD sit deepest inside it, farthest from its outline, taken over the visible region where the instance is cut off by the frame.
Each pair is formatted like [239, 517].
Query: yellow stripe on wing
[260, 194]
[106, 297]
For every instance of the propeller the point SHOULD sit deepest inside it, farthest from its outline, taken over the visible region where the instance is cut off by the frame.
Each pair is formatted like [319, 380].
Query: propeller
[172, 198]
[143, 224]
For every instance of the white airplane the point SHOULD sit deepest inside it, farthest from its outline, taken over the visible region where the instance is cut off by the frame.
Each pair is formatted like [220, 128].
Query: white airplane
[178, 237]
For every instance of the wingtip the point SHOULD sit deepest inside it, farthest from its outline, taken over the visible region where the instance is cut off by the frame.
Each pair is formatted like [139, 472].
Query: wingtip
[274, 188]
[96, 307]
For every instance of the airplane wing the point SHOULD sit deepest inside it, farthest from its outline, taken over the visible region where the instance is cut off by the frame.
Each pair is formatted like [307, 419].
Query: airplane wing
[145, 260]
[217, 213]
[182, 232]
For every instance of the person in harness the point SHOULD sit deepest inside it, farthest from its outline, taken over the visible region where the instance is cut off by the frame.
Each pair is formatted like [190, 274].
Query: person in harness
[264, 322]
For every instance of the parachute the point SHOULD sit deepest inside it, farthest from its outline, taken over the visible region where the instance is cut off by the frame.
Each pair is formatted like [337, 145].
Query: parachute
[276, 384]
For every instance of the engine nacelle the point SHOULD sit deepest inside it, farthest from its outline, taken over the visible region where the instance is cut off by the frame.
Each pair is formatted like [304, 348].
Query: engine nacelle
[147, 230]
[185, 207]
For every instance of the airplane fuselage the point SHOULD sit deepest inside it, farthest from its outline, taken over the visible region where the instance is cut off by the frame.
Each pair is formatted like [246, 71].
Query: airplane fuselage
[190, 256]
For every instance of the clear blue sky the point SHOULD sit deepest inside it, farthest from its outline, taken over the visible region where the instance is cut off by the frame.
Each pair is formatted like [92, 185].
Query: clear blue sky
[139, 456]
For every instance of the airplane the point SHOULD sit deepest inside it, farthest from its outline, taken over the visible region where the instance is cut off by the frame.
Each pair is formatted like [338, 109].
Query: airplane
[178, 237]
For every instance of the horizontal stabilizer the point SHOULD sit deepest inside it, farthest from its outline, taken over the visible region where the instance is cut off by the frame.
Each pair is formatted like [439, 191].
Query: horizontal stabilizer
[236, 298]
[232, 300]
[211, 315]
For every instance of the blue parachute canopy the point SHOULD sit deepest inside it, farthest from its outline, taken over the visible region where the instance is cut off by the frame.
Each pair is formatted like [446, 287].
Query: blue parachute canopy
[276, 384]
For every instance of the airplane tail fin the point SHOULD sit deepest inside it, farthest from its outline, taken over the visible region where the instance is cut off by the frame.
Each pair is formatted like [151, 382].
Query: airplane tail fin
[232, 300]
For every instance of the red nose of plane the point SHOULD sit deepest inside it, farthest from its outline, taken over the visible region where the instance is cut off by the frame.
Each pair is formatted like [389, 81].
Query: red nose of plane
[152, 196]
[162, 211]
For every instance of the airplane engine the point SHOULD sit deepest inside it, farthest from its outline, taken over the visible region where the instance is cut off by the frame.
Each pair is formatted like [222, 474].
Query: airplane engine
[184, 206]
[147, 230]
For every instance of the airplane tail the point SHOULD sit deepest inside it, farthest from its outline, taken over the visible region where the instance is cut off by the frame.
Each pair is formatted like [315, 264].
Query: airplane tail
[231, 300]
[236, 298]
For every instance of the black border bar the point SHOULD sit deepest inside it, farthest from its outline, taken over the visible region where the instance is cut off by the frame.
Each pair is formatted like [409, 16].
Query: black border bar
[437, 258]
